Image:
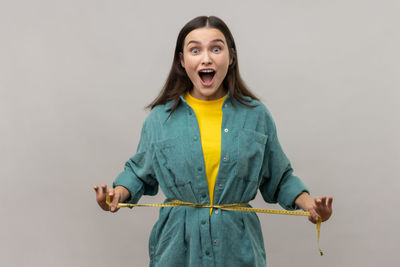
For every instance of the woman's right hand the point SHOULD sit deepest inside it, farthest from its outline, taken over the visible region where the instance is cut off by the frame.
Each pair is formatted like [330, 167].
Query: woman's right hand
[117, 195]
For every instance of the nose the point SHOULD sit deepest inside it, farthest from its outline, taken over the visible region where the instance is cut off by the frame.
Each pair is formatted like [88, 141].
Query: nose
[206, 60]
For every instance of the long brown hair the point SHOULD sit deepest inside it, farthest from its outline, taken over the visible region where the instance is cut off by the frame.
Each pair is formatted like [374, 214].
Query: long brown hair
[178, 82]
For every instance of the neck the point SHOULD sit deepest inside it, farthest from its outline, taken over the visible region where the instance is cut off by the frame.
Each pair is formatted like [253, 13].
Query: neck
[217, 95]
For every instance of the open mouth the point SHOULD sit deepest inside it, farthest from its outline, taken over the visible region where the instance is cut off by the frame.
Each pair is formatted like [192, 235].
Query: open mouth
[207, 77]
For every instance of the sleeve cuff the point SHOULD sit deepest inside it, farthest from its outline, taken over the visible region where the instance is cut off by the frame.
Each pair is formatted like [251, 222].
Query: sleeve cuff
[133, 184]
[290, 191]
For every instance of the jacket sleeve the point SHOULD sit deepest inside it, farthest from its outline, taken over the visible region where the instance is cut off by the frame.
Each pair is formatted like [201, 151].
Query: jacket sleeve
[138, 176]
[278, 184]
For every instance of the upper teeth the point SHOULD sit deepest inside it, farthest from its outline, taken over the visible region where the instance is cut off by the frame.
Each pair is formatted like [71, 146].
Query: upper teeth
[206, 71]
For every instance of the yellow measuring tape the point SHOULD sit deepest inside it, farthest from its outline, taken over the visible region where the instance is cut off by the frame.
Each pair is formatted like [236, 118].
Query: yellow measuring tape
[235, 206]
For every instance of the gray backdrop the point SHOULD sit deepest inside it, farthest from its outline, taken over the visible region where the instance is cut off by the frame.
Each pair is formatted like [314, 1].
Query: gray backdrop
[76, 75]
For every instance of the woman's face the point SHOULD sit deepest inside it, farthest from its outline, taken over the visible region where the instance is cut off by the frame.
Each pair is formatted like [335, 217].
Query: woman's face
[206, 60]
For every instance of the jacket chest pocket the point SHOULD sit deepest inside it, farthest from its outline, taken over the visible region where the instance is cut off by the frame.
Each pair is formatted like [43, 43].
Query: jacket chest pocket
[171, 156]
[251, 153]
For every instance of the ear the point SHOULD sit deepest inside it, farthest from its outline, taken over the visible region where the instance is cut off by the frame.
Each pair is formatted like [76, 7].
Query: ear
[181, 58]
[230, 61]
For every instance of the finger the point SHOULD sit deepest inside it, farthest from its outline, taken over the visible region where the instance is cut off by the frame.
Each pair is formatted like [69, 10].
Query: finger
[320, 203]
[96, 189]
[317, 201]
[312, 219]
[323, 201]
[114, 205]
[313, 215]
[330, 201]
[111, 194]
[114, 198]
[104, 187]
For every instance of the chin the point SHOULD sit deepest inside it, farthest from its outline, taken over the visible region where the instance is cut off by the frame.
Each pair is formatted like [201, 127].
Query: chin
[210, 93]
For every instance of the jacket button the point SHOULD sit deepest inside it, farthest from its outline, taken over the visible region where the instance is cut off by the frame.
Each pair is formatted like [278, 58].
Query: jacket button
[199, 169]
[203, 222]
[226, 130]
[195, 138]
[203, 195]
[207, 252]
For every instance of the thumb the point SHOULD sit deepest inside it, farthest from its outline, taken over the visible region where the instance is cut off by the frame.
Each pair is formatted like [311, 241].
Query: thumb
[114, 198]
[313, 216]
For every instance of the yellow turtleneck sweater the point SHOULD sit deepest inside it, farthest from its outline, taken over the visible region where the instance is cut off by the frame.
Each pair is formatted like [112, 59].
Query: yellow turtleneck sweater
[209, 117]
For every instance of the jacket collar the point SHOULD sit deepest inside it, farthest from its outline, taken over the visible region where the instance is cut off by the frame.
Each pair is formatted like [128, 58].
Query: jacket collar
[169, 104]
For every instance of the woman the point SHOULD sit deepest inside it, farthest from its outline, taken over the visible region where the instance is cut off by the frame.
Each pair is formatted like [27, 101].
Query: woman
[208, 139]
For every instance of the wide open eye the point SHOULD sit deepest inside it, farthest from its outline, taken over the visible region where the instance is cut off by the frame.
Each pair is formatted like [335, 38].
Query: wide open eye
[216, 49]
[195, 51]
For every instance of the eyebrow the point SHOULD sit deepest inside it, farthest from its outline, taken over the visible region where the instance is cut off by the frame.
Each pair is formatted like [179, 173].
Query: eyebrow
[197, 42]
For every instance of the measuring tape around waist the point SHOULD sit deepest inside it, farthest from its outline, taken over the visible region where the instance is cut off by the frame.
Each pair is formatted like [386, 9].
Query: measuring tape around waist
[234, 206]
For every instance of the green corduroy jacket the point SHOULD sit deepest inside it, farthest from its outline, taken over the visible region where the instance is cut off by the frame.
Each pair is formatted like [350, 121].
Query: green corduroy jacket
[170, 155]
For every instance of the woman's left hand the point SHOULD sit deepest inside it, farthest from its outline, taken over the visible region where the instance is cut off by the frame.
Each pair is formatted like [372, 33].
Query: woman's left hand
[316, 207]
[322, 208]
